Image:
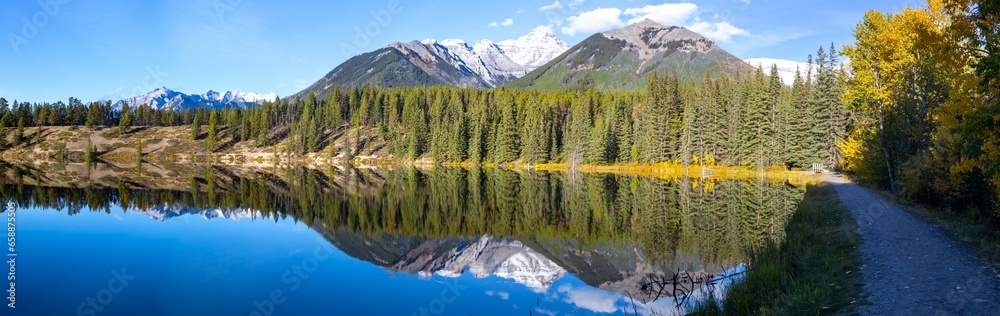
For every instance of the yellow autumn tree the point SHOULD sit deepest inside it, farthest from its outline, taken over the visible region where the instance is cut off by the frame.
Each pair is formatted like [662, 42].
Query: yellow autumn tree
[921, 90]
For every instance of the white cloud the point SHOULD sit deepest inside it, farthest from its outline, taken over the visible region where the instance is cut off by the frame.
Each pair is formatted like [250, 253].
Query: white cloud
[597, 20]
[553, 6]
[719, 31]
[666, 14]
[519, 11]
[680, 14]
[506, 22]
[590, 298]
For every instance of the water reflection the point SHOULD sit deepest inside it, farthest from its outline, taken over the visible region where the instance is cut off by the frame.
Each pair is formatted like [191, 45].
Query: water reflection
[650, 241]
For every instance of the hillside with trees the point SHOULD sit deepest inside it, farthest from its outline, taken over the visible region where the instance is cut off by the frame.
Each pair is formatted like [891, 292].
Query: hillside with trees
[752, 121]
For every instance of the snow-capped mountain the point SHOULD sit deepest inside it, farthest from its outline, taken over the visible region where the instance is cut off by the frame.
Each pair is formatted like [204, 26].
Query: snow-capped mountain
[786, 68]
[163, 98]
[451, 62]
[165, 212]
[505, 258]
[534, 49]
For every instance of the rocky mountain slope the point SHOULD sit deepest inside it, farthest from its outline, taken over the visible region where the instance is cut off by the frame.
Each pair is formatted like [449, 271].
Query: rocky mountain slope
[622, 59]
[453, 62]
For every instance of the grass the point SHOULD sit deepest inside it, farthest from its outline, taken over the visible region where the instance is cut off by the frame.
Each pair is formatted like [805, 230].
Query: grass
[813, 271]
[969, 231]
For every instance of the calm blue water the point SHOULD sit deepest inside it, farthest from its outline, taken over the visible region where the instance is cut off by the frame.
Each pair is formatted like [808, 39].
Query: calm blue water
[127, 263]
[371, 242]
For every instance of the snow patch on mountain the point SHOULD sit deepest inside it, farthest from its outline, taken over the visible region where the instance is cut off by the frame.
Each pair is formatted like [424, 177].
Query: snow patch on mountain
[535, 49]
[505, 258]
[786, 68]
[493, 63]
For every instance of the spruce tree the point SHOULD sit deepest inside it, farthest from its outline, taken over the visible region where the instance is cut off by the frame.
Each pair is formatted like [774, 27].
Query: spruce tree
[799, 150]
[19, 133]
[195, 128]
[210, 140]
[534, 134]
[507, 143]
[126, 119]
[578, 138]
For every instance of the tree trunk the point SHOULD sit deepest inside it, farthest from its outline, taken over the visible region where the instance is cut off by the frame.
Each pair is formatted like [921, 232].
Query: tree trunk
[885, 152]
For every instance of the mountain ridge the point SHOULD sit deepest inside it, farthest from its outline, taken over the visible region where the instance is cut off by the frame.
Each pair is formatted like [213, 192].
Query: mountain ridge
[621, 59]
[453, 62]
[162, 98]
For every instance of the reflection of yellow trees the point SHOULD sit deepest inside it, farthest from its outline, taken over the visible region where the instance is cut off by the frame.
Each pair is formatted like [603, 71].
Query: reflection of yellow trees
[717, 220]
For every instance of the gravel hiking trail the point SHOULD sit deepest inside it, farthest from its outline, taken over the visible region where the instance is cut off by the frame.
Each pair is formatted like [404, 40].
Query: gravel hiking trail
[911, 267]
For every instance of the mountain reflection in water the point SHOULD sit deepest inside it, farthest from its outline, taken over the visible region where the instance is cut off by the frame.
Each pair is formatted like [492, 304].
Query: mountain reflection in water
[654, 241]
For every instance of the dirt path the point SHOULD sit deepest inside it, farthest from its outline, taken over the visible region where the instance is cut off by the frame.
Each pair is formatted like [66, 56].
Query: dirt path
[910, 267]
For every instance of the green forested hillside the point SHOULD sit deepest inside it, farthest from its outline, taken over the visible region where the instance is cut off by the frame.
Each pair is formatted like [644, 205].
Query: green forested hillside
[753, 121]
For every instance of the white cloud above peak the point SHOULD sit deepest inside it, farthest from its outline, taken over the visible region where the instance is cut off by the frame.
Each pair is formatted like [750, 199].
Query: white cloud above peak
[667, 13]
[720, 31]
[680, 14]
[597, 20]
[505, 22]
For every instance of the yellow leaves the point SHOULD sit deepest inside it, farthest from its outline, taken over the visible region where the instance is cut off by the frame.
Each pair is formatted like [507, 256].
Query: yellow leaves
[853, 150]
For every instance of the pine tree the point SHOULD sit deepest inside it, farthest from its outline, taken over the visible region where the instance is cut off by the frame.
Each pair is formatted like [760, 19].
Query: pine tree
[126, 120]
[578, 137]
[535, 134]
[19, 133]
[599, 142]
[774, 151]
[623, 128]
[195, 128]
[755, 122]
[334, 114]
[138, 153]
[799, 150]
[210, 140]
[90, 153]
[415, 124]
[506, 142]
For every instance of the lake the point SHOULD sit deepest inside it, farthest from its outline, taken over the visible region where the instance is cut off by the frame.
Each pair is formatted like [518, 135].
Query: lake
[234, 240]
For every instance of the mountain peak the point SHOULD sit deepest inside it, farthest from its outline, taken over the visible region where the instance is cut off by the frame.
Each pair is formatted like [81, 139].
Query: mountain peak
[648, 23]
[454, 62]
[622, 58]
[453, 42]
[534, 49]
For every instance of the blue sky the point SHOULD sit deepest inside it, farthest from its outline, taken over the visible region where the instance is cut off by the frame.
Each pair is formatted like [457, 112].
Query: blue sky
[91, 50]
